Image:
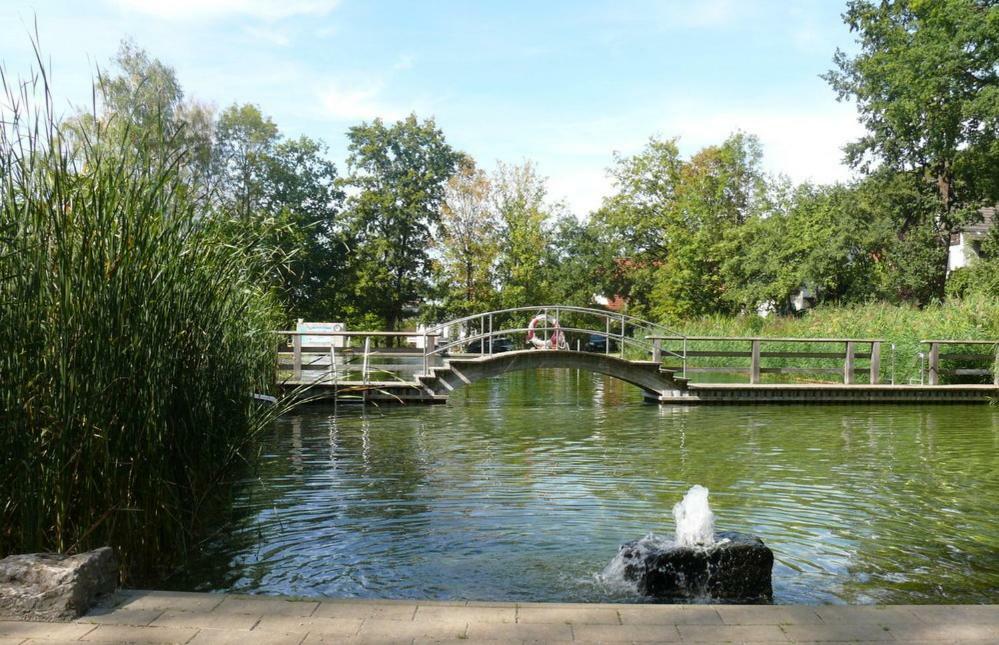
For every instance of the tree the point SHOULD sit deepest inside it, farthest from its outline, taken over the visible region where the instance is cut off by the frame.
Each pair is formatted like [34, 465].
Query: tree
[142, 101]
[525, 274]
[926, 84]
[399, 173]
[469, 241]
[244, 145]
[670, 217]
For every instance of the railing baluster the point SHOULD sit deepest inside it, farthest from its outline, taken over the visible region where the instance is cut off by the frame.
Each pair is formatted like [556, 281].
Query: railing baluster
[364, 364]
[296, 343]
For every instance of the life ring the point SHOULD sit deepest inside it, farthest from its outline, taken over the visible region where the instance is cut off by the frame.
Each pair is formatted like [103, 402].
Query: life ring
[555, 341]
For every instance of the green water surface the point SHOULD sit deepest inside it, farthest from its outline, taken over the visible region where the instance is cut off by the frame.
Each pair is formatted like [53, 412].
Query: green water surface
[522, 488]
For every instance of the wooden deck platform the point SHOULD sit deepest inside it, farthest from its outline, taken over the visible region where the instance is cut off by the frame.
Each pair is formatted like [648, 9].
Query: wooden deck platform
[741, 393]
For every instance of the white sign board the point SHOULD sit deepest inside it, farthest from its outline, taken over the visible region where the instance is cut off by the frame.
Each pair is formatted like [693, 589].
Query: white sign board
[322, 341]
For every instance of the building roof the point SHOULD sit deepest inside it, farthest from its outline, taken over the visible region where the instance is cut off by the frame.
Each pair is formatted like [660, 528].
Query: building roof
[989, 220]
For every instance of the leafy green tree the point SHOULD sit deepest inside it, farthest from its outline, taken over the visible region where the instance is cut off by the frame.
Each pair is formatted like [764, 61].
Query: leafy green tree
[141, 101]
[526, 276]
[670, 218]
[468, 242]
[926, 84]
[400, 173]
[244, 149]
[286, 192]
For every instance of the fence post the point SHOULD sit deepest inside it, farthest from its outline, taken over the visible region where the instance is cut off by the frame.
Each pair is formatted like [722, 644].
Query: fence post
[875, 362]
[657, 350]
[490, 334]
[754, 367]
[934, 364]
[607, 337]
[296, 344]
[848, 364]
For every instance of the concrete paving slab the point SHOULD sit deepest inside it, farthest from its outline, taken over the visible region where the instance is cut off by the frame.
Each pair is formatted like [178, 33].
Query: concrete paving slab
[519, 631]
[731, 633]
[626, 633]
[669, 615]
[12, 629]
[260, 605]
[303, 625]
[182, 600]
[134, 634]
[840, 631]
[228, 637]
[767, 615]
[168, 617]
[382, 611]
[468, 614]
[577, 615]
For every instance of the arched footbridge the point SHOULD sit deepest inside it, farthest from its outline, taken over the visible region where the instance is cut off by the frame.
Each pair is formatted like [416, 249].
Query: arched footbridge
[429, 364]
[655, 381]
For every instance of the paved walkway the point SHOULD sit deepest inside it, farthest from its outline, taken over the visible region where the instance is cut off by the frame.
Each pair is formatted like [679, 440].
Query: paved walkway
[173, 617]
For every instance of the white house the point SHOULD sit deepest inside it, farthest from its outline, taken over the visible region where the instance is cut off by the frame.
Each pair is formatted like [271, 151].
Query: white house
[966, 244]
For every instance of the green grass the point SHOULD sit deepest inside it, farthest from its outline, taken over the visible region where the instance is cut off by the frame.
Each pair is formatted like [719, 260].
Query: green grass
[133, 336]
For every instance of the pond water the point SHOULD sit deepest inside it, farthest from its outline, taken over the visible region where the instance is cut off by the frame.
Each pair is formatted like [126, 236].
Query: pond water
[523, 487]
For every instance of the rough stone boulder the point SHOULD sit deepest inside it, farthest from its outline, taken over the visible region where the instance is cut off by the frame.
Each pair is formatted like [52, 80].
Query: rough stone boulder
[47, 586]
[735, 567]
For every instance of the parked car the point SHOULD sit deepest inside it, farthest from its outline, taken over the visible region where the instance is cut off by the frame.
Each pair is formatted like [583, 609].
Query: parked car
[500, 344]
[598, 343]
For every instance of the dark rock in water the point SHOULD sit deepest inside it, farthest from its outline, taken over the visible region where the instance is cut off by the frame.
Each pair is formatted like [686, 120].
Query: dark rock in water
[48, 586]
[735, 567]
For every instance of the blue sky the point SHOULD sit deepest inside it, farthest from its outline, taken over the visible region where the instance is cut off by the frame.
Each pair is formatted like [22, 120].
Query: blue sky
[562, 83]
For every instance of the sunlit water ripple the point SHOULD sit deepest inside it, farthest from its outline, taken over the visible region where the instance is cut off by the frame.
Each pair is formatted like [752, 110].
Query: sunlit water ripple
[522, 488]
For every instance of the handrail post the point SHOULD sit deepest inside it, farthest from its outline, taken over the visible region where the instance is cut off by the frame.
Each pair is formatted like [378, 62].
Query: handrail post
[848, 364]
[875, 362]
[490, 334]
[426, 356]
[657, 350]
[754, 367]
[364, 364]
[621, 348]
[684, 357]
[296, 344]
[934, 363]
[995, 367]
[607, 337]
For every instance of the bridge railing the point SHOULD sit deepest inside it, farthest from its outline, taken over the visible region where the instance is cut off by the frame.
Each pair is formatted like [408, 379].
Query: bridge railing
[965, 361]
[344, 361]
[628, 333]
[788, 350]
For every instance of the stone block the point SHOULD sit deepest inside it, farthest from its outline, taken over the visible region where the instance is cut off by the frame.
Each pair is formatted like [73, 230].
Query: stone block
[51, 587]
[736, 567]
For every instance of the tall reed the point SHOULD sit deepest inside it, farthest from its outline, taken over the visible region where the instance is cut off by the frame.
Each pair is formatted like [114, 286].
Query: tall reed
[132, 336]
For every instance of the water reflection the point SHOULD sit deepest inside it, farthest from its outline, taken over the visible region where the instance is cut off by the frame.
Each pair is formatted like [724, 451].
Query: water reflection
[522, 488]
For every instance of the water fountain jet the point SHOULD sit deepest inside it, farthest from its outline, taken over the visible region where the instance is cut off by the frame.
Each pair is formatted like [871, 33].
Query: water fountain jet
[698, 563]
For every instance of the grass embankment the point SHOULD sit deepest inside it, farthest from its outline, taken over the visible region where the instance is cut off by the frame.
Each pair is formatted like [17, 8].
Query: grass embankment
[972, 318]
[133, 336]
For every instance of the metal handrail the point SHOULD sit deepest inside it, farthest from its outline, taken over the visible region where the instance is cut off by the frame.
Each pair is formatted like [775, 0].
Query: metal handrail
[637, 322]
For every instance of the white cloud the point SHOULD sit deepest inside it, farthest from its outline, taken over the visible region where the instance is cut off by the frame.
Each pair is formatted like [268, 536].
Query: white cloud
[356, 103]
[201, 9]
[805, 145]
